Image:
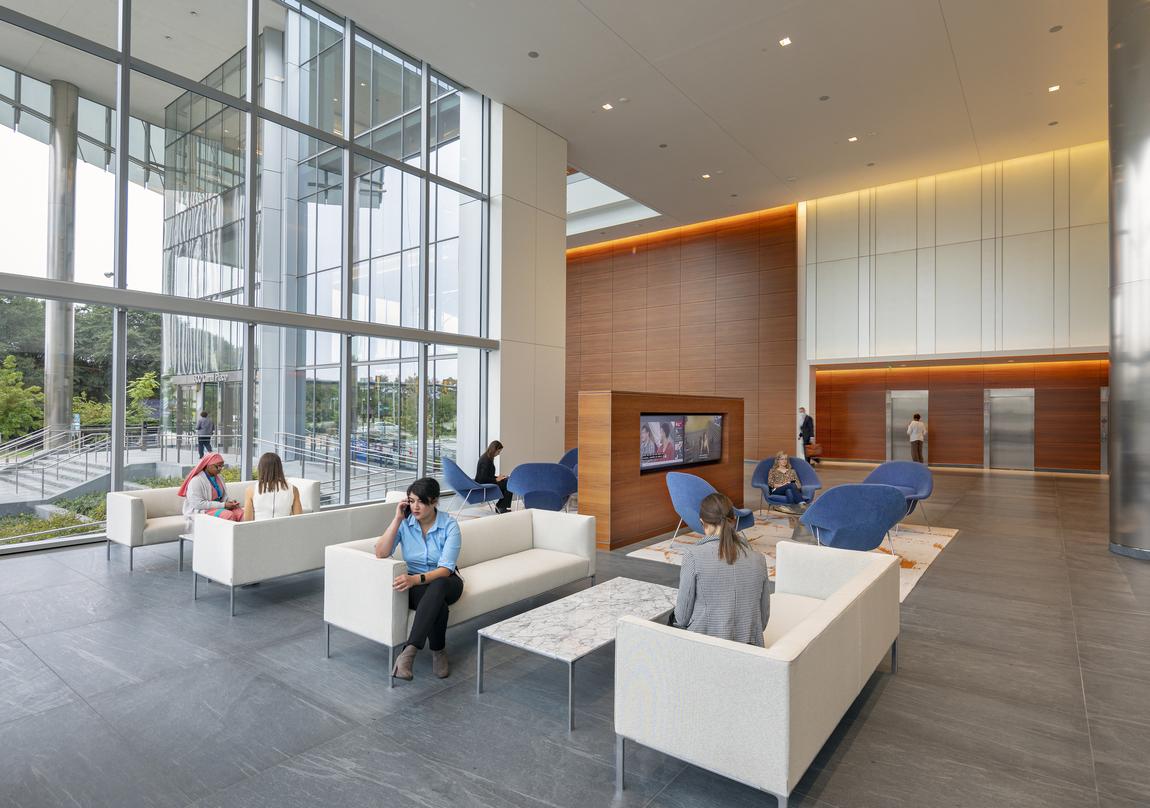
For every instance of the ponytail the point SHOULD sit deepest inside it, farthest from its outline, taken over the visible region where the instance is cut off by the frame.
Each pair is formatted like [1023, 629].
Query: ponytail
[717, 509]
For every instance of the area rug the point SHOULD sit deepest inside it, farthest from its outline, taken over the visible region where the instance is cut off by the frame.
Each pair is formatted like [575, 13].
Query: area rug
[916, 546]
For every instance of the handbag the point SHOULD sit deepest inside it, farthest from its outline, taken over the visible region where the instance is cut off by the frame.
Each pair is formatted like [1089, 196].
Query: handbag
[814, 449]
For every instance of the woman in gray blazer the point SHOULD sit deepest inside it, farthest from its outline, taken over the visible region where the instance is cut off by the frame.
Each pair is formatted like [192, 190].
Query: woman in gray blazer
[723, 589]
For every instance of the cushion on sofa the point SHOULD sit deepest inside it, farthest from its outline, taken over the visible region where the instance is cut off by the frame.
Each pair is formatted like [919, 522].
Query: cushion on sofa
[787, 611]
[160, 529]
[159, 502]
[501, 581]
[494, 537]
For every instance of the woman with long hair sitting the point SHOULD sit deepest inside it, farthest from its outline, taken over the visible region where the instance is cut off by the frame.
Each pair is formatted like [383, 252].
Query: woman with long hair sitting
[204, 491]
[723, 588]
[784, 481]
[273, 495]
[485, 474]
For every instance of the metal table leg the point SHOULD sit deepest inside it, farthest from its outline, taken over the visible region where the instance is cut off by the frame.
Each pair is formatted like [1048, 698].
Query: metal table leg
[570, 696]
[479, 666]
[181, 567]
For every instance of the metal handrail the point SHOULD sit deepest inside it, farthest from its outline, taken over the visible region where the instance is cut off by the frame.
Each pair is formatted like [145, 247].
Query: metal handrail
[21, 443]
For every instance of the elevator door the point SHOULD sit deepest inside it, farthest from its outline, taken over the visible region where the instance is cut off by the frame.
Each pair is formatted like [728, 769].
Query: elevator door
[1009, 428]
[901, 406]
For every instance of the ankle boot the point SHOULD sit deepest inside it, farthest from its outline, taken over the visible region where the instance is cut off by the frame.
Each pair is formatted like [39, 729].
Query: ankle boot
[439, 664]
[404, 662]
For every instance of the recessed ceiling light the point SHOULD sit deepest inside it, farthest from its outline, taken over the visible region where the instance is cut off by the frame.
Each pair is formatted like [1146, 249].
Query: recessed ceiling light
[662, 145]
[167, 36]
[363, 84]
[1053, 88]
[193, 13]
[1054, 29]
[792, 179]
[824, 98]
[624, 100]
[533, 54]
[1053, 123]
[870, 165]
[852, 139]
[734, 195]
[608, 106]
[785, 41]
[706, 176]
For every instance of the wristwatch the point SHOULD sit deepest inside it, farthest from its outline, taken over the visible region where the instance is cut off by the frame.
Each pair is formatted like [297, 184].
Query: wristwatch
[422, 578]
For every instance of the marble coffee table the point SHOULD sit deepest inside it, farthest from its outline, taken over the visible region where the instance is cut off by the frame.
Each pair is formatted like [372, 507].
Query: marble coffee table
[570, 628]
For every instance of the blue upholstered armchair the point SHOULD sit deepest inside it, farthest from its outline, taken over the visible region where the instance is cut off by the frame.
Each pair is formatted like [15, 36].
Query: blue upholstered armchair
[469, 491]
[546, 486]
[914, 480]
[855, 517]
[687, 494]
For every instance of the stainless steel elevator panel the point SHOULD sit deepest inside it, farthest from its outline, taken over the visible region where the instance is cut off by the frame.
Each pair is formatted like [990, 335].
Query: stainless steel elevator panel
[1105, 430]
[1009, 428]
[901, 405]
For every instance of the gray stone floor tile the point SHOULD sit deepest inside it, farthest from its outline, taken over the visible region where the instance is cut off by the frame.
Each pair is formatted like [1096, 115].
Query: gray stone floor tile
[70, 757]
[54, 608]
[124, 650]
[30, 571]
[1120, 757]
[1109, 695]
[27, 685]
[217, 723]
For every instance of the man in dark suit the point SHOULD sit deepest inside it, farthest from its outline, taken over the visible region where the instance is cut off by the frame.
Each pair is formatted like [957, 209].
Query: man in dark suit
[806, 433]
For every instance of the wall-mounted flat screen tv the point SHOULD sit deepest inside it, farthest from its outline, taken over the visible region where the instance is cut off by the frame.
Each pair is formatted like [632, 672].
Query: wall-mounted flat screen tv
[668, 441]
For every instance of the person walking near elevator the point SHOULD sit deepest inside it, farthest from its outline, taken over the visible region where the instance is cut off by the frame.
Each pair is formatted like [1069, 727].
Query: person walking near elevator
[916, 433]
[205, 428]
[807, 434]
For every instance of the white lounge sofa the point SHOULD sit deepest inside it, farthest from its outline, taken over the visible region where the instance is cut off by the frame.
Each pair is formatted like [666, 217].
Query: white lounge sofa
[155, 515]
[504, 559]
[760, 715]
[239, 553]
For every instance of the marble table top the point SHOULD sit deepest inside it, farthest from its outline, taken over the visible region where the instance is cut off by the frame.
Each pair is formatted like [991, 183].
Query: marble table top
[572, 627]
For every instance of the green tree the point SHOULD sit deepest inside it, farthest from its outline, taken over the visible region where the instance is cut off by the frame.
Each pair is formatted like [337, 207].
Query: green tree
[94, 348]
[94, 412]
[23, 335]
[21, 407]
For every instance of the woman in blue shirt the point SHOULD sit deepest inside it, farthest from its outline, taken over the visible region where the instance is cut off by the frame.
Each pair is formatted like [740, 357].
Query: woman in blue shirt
[430, 542]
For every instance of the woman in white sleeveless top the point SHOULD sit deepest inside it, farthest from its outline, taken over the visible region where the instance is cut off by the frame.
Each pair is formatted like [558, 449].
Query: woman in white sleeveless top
[272, 495]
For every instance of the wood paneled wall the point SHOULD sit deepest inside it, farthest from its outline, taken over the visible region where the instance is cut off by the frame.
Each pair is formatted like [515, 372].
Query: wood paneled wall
[627, 504]
[850, 409]
[708, 309]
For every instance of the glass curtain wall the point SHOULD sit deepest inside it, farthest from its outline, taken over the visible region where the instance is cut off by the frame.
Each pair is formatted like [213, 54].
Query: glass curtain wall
[314, 241]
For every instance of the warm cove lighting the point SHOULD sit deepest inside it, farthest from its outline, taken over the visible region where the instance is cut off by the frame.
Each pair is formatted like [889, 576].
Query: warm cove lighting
[683, 230]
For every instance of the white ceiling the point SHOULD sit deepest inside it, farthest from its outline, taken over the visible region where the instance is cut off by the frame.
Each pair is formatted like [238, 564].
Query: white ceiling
[941, 84]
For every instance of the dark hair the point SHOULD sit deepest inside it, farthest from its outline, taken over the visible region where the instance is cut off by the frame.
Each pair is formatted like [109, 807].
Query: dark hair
[492, 448]
[717, 509]
[917, 417]
[426, 490]
[271, 473]
[203, 413]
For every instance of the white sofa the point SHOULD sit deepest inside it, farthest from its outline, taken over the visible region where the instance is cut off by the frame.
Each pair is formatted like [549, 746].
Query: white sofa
[760, 715]
[155, 515]
[503, 559]
[238, 553]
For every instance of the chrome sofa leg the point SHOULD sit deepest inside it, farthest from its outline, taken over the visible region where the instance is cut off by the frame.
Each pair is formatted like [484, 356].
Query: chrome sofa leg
[391, 666]
[894, 656]
[232, 599]
[108, 549]
[131, 558]
[327, 651]
[619, 757]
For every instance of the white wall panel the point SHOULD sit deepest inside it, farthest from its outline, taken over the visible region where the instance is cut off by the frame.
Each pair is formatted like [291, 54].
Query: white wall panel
[836, 308]
[896, 300]
[896, 222]
[550, 279]
[1028, 291]
[1090, 284]
[958, 296]
[838, 227]
[551, 173]
[1000, 257]
[514, 165]
[958, 206]
[1028, 194]
[1089, 184]
[550, 378]
[515, 255]
[925, 301]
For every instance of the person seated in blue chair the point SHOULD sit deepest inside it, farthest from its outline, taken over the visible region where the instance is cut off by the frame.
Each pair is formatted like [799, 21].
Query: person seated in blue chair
[784, 481]
[431, 541]
[485, 473]
[723, 585]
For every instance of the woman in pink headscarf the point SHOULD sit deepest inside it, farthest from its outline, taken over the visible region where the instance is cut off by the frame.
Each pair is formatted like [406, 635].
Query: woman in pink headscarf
[204, 491]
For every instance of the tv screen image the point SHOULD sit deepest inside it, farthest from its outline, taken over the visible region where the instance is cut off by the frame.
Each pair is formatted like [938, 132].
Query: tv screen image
[679, 440]
[660, 441]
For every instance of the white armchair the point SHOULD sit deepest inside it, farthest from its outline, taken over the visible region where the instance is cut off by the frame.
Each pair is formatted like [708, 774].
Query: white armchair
[760, 715]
